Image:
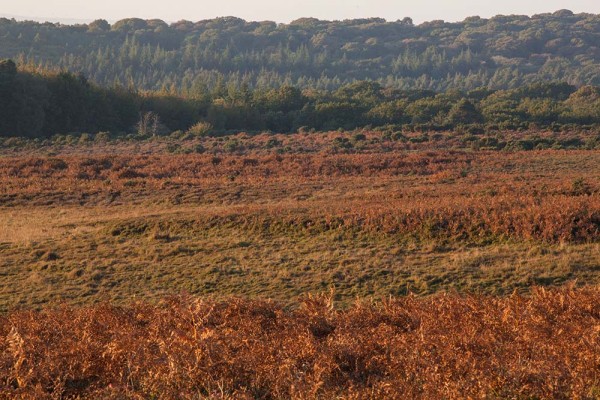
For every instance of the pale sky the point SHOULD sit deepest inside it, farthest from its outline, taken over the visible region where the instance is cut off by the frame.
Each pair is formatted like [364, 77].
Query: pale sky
[282, 11]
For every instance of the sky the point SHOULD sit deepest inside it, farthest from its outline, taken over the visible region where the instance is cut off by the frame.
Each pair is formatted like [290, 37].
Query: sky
[283, 11]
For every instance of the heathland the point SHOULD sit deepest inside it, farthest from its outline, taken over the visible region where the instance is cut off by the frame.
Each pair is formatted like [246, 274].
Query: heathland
[246, 229]
[355, 209]
[277, 216]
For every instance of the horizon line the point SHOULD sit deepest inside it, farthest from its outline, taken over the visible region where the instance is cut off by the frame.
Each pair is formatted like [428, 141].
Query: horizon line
[79, 21]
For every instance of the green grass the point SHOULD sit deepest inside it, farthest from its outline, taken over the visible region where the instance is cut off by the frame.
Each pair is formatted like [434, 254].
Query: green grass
[366, 225]
[147, 258]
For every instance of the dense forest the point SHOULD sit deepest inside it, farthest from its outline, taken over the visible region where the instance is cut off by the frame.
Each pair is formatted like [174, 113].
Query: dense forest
[502, 52]
[36, 104]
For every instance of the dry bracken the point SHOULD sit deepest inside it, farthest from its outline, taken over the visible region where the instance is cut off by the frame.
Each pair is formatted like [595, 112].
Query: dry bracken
[545, 345]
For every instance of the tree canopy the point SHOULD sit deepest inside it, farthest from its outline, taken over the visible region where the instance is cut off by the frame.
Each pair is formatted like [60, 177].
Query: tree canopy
[37, 104]
[502, 52]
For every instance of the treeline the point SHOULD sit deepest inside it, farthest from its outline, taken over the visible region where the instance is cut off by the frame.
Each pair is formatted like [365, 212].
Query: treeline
[502, 52]
[43, 104]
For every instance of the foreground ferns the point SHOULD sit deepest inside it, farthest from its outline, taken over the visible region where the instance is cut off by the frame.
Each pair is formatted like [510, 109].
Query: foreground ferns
[546, 345]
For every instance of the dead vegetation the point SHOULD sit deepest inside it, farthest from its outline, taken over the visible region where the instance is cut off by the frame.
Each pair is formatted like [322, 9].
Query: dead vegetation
[549, 196]
[545, 346]
[112, 236]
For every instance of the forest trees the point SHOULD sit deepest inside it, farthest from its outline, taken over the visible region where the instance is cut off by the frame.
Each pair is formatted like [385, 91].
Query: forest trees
[44, 104]
[8, 89]
[503, 52]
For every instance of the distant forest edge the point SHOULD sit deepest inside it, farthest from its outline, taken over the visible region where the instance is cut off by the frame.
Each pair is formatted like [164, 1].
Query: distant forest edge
[42, 104]
[502, 52]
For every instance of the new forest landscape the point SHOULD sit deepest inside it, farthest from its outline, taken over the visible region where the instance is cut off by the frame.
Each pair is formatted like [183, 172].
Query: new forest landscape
[348, 209]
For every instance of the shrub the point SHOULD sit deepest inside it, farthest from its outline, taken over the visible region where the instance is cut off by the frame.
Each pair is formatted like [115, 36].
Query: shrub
[85, 138]
[273, 143]
[200, 129]
[102, 137]
[359, 137]
[232, 145]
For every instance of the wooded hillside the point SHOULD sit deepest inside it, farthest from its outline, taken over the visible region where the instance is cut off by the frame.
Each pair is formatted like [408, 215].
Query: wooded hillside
[500, 52]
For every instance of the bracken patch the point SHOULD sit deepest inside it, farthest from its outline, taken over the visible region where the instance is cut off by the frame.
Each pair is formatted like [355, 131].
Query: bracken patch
[545, 345]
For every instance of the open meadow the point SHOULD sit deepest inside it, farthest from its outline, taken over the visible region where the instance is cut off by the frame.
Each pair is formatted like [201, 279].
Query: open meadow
[96, 238]
[83, 226]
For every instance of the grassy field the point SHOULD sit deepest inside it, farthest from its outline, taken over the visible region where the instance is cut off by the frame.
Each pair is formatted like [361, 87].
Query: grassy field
[119, 222]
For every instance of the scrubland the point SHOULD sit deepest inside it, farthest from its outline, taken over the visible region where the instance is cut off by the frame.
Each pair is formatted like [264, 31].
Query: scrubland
[132, 271]
[109, 222]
